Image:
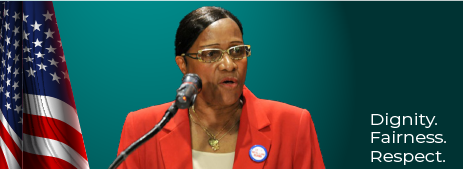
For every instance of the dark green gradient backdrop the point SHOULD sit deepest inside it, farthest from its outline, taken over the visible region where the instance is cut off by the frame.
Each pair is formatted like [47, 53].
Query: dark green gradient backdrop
[340, 60]
[407, 59]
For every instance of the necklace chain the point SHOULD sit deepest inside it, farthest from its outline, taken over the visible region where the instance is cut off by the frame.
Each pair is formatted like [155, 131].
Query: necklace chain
[213, 141]
[205, 128]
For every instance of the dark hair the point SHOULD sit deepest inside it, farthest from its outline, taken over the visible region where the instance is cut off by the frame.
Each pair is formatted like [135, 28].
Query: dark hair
[195, 22]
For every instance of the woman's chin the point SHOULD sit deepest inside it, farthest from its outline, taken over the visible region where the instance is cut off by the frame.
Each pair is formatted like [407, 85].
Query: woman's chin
[228, 100]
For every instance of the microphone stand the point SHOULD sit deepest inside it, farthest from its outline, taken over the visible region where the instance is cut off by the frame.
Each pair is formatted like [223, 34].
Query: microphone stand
[166, 118]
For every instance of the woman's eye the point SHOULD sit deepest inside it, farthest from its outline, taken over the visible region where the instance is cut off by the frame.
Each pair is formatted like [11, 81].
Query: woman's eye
[211, 53]
[236, 50]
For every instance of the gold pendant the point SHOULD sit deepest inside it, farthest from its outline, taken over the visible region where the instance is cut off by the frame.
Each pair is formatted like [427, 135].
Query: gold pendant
[214, 143]
[215, 148]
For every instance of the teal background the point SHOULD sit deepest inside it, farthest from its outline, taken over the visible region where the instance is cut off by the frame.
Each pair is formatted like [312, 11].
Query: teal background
[342, 61]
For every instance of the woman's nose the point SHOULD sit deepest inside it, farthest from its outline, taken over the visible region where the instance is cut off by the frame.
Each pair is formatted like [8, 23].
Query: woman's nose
[227, 63]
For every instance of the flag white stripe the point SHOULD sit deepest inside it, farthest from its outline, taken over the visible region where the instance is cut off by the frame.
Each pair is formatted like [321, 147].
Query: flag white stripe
[51, 107]
[10, 160]
[53, 148]
[10, 130]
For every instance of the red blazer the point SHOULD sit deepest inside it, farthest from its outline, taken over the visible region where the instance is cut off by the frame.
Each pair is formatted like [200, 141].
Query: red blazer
[287, 132]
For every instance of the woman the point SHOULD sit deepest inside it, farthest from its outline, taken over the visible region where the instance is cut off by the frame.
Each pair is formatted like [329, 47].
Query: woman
[227, 127]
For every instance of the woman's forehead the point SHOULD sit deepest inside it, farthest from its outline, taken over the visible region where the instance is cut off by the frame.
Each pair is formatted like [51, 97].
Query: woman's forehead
[222, 31]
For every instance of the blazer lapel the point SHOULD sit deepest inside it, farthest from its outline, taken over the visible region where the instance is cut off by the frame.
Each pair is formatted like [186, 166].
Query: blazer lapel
[176, 145]
[252, 125]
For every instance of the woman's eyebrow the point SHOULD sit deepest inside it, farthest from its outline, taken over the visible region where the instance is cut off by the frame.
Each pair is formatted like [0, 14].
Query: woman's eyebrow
[236, 42]
[210, 45]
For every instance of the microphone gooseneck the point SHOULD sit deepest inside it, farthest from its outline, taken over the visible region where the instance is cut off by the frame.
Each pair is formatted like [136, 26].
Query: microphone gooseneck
[186, 96]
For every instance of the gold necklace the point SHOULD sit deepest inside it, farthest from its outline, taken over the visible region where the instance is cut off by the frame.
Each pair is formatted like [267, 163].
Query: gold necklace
[208, 132]
[213, 141]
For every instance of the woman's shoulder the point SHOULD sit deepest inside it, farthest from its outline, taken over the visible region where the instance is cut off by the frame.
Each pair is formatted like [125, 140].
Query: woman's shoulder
[152, 112]
[287, 117]
[272, 107]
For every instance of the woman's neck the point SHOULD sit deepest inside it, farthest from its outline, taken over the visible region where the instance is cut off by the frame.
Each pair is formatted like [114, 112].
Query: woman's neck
[217, 117]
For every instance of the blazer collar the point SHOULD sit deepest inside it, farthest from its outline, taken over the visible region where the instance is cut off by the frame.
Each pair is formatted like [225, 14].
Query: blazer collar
[179, 119]
[258, 120]
[253, 110]
[253, 125]
[176, 144]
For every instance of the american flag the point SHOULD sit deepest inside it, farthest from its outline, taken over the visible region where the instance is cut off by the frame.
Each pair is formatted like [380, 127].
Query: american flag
[40, 127]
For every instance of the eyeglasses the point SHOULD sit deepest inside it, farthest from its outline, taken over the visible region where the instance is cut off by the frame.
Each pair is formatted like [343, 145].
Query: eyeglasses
[214, 55]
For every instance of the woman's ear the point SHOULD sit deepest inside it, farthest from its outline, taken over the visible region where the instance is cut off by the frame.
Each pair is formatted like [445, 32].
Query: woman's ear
[181, 64]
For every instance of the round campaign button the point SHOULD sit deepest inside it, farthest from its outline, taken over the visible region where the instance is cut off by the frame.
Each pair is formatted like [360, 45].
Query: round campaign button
[258, 153]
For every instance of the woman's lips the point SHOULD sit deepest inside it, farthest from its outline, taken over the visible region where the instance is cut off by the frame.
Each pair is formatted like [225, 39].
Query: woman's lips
[229, 82]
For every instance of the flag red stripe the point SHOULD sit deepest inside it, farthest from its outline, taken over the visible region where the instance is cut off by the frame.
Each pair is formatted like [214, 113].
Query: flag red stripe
[15, 150]
[38, 162]
[50, 128]
[2, 160]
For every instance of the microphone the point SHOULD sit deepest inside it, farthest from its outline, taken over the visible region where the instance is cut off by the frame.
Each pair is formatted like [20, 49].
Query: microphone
[186, 93]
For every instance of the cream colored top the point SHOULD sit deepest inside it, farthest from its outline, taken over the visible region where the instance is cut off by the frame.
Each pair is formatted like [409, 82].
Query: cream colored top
[206, 160]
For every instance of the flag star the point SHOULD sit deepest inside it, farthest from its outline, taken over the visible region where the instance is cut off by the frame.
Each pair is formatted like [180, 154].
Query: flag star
[26, 49]
[1, 48]
[15, 85]
[37, 43]
[16, 44]
[16, 97]
[5, 13]
[7, 40]
[49, 34]
[53, 62]
[16, 30]
[55, 77]
[25, 17]
[51, 49]
[31, 72]
[7, 94]
[48, 16]
[16, 16]
[3, 62]
[9, 69]
[16, 72]
[29, 59]
[60, 44]
[1, 88]
[9, 54]
[40, 55]
[8, 82]
[7, 106]
[7, 26]
[25, 35]
[20, 120]
[63, 59]
[18, 108]
[66, 75]
[36, 26]
[3, 76]
[42, 66]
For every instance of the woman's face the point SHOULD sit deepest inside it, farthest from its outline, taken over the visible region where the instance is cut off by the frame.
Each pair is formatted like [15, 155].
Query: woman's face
[222, 80]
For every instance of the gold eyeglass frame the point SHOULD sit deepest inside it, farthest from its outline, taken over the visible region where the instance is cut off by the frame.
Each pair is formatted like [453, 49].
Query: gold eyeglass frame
[219, 58]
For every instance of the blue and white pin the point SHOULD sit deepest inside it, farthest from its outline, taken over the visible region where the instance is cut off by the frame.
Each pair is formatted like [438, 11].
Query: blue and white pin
[258, 153]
